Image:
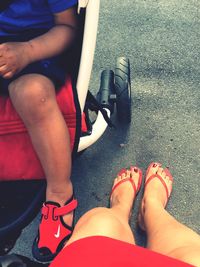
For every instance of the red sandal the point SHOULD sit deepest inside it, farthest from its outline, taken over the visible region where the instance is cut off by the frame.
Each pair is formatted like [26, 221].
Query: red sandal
[136, 189]
[153, 176]
[53, 231]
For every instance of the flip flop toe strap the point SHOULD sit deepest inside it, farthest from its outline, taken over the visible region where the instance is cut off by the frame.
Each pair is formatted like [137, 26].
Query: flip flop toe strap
[161, 180]
[123, 181]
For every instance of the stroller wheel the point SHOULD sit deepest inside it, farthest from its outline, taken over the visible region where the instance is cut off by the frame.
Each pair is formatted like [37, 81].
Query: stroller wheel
[8, 243]
[20, 201]
[15, 260]
[123, 89]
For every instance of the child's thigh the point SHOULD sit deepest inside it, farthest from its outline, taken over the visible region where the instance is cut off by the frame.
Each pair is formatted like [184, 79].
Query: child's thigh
[49, 68]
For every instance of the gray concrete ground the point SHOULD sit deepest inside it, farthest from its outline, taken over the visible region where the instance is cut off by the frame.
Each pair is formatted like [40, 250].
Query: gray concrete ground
[161, 39]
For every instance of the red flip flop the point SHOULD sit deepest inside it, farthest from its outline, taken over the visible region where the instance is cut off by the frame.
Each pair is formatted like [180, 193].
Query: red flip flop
[53, 231]
[136, 189]
[167, 172]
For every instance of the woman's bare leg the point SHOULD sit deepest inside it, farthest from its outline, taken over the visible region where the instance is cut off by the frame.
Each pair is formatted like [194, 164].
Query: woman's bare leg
[33, 96]
[114, 221]
[165, 234]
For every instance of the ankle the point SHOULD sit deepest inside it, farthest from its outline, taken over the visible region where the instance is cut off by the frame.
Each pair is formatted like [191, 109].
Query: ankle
[154, 197]
[152, 202]
[124, 201]
[59, 194]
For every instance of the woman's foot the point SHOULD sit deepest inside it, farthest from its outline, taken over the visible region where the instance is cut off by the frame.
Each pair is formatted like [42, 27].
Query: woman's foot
[158, 188]
[125, 187]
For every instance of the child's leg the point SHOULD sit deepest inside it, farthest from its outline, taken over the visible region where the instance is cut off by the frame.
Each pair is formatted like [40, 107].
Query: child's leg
[33, 96]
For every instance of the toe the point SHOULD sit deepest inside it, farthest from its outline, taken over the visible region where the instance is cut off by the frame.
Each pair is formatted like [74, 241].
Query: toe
[135, 173]
[128, 174]
[121, 175]
[160, 171]
[153, 169]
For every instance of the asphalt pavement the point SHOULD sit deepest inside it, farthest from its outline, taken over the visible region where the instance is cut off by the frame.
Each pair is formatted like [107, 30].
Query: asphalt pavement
[161, 39]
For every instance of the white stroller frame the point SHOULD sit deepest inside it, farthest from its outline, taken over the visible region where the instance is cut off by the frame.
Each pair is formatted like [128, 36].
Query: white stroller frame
[85, 69]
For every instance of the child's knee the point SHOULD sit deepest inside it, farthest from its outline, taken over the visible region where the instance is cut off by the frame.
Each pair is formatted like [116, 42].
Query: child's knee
[33, 96]
[31, 86]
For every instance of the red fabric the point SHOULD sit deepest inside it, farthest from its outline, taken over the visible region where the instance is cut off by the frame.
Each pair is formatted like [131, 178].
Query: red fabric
[106, 252]
[17, 157]
[83, 124]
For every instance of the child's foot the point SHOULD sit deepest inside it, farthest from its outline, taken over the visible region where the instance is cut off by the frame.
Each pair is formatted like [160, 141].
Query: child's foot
[158, 188]
[56, 224]
[126, 185]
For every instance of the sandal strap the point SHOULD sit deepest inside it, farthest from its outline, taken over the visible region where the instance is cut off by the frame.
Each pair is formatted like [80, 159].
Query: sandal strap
[162, 181]
[131, 180]
[44, 210]
[123, 181]
[60, 211]
[67, 208]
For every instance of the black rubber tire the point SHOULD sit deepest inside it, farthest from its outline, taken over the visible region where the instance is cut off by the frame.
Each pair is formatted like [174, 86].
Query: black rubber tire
[20, 203]
[19, 261]
[123, 89]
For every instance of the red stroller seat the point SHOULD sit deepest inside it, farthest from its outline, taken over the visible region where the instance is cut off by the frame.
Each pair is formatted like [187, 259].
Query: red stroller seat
[18, 160]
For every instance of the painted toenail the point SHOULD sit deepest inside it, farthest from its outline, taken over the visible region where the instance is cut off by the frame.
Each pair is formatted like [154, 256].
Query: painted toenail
[135, 170]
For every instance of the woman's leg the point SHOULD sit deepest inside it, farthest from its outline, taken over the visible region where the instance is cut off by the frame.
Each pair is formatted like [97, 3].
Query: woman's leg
[33, 97]
[165, 234]
[114, 221]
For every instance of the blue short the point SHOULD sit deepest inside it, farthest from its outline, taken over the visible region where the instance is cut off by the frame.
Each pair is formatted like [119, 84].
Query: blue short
[53, 68]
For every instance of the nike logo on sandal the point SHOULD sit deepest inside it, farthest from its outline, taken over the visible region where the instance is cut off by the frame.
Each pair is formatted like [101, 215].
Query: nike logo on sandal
[57, 235]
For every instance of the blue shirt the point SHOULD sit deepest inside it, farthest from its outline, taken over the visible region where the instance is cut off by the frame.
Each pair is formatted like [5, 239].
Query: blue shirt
[23, 15]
